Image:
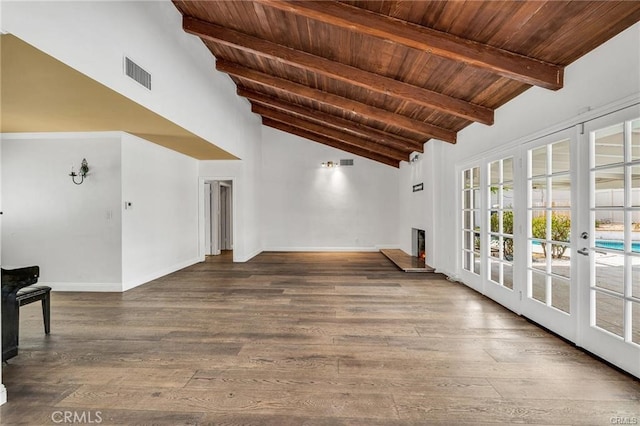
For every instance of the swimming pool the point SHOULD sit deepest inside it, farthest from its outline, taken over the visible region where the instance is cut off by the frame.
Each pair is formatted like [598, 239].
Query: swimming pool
[612, 245]
[617, 245]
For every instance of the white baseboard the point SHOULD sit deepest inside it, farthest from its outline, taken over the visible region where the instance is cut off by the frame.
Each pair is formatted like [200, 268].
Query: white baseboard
[242, 259]
[138, 281]
[452, 276]
[246, 258]
[388, 247]
[323, 249]
[119, 287]
[236, 257]
[98, 287]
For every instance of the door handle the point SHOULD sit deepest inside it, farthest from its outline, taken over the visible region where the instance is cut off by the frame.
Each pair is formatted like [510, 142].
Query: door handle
[584, 251]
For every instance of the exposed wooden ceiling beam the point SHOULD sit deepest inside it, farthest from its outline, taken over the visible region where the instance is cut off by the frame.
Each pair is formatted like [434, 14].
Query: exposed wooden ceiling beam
[337, 135]
[329, 142]
[337, 71]
[346, 104]
[334, 121]
[499, 61]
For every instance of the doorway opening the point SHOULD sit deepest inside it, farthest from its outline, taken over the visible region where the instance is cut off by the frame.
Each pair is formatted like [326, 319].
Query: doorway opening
[218, 211]
[418, 240]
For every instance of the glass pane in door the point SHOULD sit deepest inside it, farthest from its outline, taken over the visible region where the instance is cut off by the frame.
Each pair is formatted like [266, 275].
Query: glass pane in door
[549, 211]
[635, 139]
[538, 286]
[609, 268]
[635, 274]
[635, 323]
[609, 313]
[560, 294]
[609, 145]
[538, 157]
[635, 193]
[560, 157]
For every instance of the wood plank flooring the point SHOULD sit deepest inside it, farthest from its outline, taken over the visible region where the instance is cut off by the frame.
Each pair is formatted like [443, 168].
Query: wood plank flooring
[302, 338]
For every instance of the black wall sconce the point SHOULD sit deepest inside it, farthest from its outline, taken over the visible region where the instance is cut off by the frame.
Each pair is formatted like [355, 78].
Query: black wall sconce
[84, 169]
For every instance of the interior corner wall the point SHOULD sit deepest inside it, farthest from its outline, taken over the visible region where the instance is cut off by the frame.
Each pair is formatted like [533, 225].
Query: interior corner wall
[305, 207]
[607, 75]
[415, 208]
[94, 36]
[251, 211]
[160, 225]
[3, 389]
[71, 231]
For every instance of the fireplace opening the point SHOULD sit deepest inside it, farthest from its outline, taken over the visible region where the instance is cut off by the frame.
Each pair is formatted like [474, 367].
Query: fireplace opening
[419, 240]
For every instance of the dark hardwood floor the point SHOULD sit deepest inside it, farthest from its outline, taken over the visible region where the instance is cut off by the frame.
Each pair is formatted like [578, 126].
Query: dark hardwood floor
[293, 339]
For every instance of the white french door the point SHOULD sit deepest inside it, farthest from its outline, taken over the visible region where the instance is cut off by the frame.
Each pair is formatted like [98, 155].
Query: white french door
[501, 251]
[551, 230]
[471, 202]
[550, 296]
[609, 239]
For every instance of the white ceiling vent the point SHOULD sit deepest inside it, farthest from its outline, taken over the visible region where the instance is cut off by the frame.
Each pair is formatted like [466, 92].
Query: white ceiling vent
[346, 162]
[137, 73]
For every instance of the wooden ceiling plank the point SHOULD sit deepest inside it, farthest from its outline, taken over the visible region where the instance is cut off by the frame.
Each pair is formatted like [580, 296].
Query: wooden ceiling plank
[333, 121]
[337, 71]
[332, 133]
[346, 104]
[329, 142]
[499, 61]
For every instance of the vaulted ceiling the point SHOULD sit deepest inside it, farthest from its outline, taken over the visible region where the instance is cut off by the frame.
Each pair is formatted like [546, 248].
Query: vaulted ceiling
[380, 78]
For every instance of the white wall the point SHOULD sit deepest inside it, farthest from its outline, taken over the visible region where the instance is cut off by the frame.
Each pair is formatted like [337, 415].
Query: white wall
[160, 228]
[307, 207]
[251, 211]
[71, 231]
[606, 75]
[246, 177]
[3, 389]
[94, 36]
[415, 207]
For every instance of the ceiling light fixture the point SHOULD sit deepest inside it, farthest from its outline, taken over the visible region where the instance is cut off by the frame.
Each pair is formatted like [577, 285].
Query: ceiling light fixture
[330, 164]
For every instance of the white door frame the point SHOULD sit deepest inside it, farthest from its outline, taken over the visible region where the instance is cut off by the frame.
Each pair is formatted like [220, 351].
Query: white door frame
[226, 216]
[207, 218]
[202, 200]
[214, 199]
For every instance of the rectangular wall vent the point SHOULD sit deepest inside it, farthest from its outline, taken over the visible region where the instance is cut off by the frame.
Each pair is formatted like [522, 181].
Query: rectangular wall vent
[346, 162]
[137, 73]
